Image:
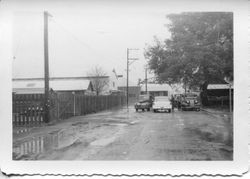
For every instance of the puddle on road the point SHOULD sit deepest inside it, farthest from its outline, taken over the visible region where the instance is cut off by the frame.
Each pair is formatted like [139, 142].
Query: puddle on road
[103, 142]
[80, 123]
[38, 145]
[31, 148]
[108, 140]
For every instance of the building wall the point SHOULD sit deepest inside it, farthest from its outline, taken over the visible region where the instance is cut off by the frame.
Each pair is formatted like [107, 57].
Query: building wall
[133, 92]
[113, 81]
[155, 89]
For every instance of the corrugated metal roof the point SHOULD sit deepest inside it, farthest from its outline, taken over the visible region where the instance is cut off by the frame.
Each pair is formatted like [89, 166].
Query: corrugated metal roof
[156, 87]
[56, 85]
[218, 86]
[69, 85]
[28, 91]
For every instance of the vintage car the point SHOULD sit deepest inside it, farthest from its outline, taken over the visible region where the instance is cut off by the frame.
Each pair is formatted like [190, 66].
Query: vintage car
[190, 101]
[144, 103]
[162, 104]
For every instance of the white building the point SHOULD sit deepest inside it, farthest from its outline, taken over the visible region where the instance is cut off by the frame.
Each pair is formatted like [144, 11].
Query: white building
[157, 89]
[36, 85]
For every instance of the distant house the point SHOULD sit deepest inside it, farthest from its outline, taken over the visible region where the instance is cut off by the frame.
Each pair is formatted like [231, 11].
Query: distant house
[133, 90]
[59, 85]
[157, 89]
[109, 82]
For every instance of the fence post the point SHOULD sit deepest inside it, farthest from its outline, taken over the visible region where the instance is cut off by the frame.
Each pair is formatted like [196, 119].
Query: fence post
[84, 104]
[74, 103]
[88, 104]
[106, 102]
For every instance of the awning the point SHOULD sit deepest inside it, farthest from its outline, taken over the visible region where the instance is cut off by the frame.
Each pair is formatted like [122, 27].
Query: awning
[219, 86]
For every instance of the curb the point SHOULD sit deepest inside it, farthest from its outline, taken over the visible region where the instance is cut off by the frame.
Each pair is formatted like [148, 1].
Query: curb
[217, 115]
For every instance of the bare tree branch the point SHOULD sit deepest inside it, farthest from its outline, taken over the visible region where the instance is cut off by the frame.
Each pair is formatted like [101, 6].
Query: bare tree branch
[99, 79]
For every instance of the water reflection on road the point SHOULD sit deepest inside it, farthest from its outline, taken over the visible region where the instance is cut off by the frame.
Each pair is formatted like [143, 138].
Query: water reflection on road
[36, 146]
[33, 147]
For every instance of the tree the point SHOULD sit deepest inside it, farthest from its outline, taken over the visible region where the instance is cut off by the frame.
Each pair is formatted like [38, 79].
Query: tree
[200, 49]
[99, 79]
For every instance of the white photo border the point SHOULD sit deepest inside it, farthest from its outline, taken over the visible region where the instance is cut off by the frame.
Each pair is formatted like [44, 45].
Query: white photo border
[238, 166]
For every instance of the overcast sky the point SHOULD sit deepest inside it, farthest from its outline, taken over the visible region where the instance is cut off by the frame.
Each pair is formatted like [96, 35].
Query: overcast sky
[83, 35]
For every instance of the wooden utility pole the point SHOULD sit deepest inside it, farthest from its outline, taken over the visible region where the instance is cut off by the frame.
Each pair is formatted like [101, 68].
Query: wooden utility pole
[46, 70]
[146, 80]
[129, 59]
[127, 75]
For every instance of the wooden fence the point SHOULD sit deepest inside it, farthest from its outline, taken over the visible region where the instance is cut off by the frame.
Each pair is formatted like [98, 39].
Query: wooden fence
[67, 105]
[28, 108]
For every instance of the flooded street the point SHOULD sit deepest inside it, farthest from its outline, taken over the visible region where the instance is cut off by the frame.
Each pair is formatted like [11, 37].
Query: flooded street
[127, 135]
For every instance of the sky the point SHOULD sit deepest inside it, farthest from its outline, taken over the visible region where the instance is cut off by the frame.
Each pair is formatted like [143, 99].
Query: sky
[83, 35]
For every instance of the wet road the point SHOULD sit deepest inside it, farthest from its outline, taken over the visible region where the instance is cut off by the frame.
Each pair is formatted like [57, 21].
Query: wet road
[123, 135]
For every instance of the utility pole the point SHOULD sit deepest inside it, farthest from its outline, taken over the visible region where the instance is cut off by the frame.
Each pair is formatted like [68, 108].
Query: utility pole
[128, 60]
[127, 75]
[46, 70]
[230, 102]
[146, 80]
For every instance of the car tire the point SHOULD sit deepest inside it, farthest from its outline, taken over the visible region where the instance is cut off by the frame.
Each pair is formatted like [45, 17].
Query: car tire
[154, 111]
[148, 109]
[169, 110]
[136, 110]
[142, 109]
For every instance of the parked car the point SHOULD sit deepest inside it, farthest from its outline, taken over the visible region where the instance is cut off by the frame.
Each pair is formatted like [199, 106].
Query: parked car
[190, 101]
[162, 103]
[144, 103]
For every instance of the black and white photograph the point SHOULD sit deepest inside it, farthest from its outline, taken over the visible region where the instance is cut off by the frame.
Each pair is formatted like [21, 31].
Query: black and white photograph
[117, 81]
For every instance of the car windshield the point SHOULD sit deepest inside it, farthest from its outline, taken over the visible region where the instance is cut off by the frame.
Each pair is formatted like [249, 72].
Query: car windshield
[190, 95]
[191, 98]
[157, 99]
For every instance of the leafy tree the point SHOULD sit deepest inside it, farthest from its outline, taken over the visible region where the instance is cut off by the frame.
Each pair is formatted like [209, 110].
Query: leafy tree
[200, 49]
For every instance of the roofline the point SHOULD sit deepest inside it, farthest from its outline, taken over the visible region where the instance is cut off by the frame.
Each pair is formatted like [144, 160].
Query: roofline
[60, 78]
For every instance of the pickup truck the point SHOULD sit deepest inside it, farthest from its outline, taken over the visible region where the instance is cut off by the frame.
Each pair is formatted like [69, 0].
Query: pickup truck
[144, 103]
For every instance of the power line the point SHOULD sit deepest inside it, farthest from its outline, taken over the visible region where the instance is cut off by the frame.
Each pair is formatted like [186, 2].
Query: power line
[19, 43]
[100, 55]
[71, 34]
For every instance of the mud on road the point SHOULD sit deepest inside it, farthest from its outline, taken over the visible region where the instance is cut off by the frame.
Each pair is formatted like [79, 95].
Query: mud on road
[128, 135]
